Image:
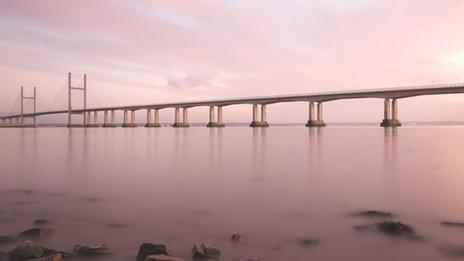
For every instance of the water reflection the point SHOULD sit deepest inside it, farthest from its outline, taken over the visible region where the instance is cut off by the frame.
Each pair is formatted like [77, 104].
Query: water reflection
[315, 146]
[390, 136]
[258, 156]
[215, 148]
[167, 182]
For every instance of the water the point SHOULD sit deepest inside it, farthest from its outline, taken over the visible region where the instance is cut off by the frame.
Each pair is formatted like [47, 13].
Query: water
[275, 186]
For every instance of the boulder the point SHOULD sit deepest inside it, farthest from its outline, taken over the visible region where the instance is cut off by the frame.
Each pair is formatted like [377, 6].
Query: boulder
[93, 250]
[149, 249]
[162, 258]
[395, 228]
[41, 223]
[203, 251]
[308, 242]
[6, 240]
[35, 233]
[236, 238]
[373, 214]
[29, 250]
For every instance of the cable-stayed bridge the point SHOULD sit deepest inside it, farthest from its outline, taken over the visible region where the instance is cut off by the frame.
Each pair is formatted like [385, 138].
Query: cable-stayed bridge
[315, 107]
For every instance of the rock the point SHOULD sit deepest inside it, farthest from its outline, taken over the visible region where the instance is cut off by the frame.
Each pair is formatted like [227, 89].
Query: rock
[205, 251]
[149, 249]
[54, 257]
[395, 228]
[29, 250]
[452, 224]
[307, 242]
[94, 250]
[236, 238]
[35, 232]
[373, 214]
[6, 240]
[41, 222]
[162, 258]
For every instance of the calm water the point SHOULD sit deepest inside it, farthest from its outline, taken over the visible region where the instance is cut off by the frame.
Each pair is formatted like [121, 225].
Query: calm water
[275, 186]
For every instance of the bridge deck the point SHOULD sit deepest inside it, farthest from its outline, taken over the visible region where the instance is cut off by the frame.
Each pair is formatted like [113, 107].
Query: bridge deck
[392, 93]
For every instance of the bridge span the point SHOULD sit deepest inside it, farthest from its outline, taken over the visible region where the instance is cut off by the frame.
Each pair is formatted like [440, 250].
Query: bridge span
[315, 107]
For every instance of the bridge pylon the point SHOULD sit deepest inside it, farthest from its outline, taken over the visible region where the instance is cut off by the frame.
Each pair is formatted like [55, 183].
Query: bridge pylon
[24, 116]
[70, 108]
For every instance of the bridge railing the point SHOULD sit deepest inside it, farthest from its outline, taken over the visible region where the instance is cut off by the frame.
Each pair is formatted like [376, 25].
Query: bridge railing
[372, 90]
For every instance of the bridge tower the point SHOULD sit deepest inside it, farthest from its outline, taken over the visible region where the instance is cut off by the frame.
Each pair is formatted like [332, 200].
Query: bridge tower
[70, 108]
[33, 116]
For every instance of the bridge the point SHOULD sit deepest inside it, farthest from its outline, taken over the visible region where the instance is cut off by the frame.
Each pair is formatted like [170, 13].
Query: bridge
[315, 107]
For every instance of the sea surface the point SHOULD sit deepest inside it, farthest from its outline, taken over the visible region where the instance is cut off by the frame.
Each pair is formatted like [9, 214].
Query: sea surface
[278, 187]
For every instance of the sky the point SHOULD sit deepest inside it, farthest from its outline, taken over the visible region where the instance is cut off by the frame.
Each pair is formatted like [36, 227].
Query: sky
[150, 51]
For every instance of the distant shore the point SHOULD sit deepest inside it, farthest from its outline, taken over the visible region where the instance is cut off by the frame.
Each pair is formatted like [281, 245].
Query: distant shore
[245, 124]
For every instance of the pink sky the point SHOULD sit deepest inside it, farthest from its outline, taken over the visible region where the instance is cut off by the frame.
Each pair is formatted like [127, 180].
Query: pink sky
[159, 51]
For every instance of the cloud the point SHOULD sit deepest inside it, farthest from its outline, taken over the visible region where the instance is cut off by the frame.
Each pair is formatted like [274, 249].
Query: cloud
[204, 49]
[188, 81]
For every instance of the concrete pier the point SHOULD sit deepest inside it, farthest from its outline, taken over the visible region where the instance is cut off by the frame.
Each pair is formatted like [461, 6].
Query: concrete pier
[150, 122]
[108, 119]
[87, 118]
[6, 123]
[213, 122]
[92, 122]
[314, 121]
[390, 114]
[259, 123]
[129, 123]
[180, 124]
[11, 123]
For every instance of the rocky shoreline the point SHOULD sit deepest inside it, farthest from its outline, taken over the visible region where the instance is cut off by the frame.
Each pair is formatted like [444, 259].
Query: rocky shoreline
[26, 249]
